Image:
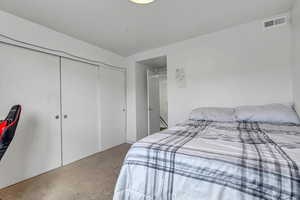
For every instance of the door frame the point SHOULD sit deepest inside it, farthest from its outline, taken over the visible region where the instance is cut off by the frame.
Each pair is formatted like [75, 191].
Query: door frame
[148, 100]
[148, 103]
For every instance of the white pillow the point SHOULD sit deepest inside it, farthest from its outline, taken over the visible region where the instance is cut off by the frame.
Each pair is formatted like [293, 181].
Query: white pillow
[213, 114]
[275, 113]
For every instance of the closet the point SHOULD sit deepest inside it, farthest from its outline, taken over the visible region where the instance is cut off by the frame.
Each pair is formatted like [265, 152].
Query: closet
[70, 110]
[113, 108]
[79, 85]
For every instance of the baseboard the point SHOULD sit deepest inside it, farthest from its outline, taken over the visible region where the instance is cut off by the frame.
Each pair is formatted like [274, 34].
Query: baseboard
[130, 141]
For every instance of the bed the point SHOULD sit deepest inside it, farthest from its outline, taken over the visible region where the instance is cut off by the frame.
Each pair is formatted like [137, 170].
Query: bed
[213, 160]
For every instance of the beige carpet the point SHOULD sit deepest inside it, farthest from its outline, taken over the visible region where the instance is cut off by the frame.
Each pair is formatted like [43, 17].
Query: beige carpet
[92, 178]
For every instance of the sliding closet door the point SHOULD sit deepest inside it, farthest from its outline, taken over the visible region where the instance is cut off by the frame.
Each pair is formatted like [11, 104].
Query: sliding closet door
[31, 79]
[79, 110]
[113, 113]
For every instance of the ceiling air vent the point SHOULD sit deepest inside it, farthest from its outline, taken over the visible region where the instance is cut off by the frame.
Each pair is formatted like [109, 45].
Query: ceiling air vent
[279, 21]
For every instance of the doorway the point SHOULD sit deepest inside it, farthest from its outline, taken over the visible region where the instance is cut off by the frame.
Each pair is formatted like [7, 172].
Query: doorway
[157, 95]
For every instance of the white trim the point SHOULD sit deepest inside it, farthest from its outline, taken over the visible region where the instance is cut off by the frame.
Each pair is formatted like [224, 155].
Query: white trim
[148, 101]
[22, 44]
[130, 141]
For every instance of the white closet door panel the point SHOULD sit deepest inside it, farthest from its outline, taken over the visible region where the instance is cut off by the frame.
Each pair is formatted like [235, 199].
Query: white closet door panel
[113, 113]
[31, 79]
[79, 103]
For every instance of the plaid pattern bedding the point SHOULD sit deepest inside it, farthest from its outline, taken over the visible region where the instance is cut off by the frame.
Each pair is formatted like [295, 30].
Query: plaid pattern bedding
[214, 161]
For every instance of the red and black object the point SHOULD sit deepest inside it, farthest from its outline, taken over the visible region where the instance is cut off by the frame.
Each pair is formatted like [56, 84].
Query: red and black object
[8, 128]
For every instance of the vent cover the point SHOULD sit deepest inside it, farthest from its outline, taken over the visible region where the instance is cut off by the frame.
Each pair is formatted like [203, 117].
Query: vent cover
[279, 21]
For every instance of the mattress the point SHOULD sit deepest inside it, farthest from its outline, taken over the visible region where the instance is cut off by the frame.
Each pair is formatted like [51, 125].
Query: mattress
[214, 161]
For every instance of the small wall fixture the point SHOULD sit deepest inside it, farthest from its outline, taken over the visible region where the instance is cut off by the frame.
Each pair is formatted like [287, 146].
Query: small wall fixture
[142, 1]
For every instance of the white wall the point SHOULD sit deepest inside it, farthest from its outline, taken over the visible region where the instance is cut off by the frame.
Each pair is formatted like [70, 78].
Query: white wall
[240, 65]
[25, 30]
[296, 53]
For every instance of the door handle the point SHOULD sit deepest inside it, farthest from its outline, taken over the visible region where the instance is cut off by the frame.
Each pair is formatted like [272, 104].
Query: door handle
[65, 116]
[56, 116]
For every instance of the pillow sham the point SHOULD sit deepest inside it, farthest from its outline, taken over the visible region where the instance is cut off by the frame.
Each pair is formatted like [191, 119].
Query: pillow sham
[274, 113]
[213, 114]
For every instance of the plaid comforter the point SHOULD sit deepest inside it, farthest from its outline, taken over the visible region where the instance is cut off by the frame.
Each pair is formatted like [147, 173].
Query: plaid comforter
[214, 161]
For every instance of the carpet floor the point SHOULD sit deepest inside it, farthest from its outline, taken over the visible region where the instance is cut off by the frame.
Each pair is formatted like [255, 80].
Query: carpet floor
[92, 178]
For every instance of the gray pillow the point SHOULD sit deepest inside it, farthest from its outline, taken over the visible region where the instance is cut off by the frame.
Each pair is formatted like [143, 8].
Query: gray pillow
[274, 113]
[213, 114]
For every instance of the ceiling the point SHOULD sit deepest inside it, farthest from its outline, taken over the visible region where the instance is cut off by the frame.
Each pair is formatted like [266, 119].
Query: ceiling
[126, 28]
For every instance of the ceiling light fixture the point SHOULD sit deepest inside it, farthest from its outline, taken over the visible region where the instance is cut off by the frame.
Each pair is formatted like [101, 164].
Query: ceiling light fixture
[142, 1]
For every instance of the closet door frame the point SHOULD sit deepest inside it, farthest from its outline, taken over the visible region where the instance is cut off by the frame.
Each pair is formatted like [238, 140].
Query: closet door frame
[61, 102]
[60, 55]
[98, 64]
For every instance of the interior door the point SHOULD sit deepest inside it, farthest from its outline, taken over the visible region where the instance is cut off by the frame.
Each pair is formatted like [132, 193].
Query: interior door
[153, 103]
[113, 110]
[31, 79]
[79, 110]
